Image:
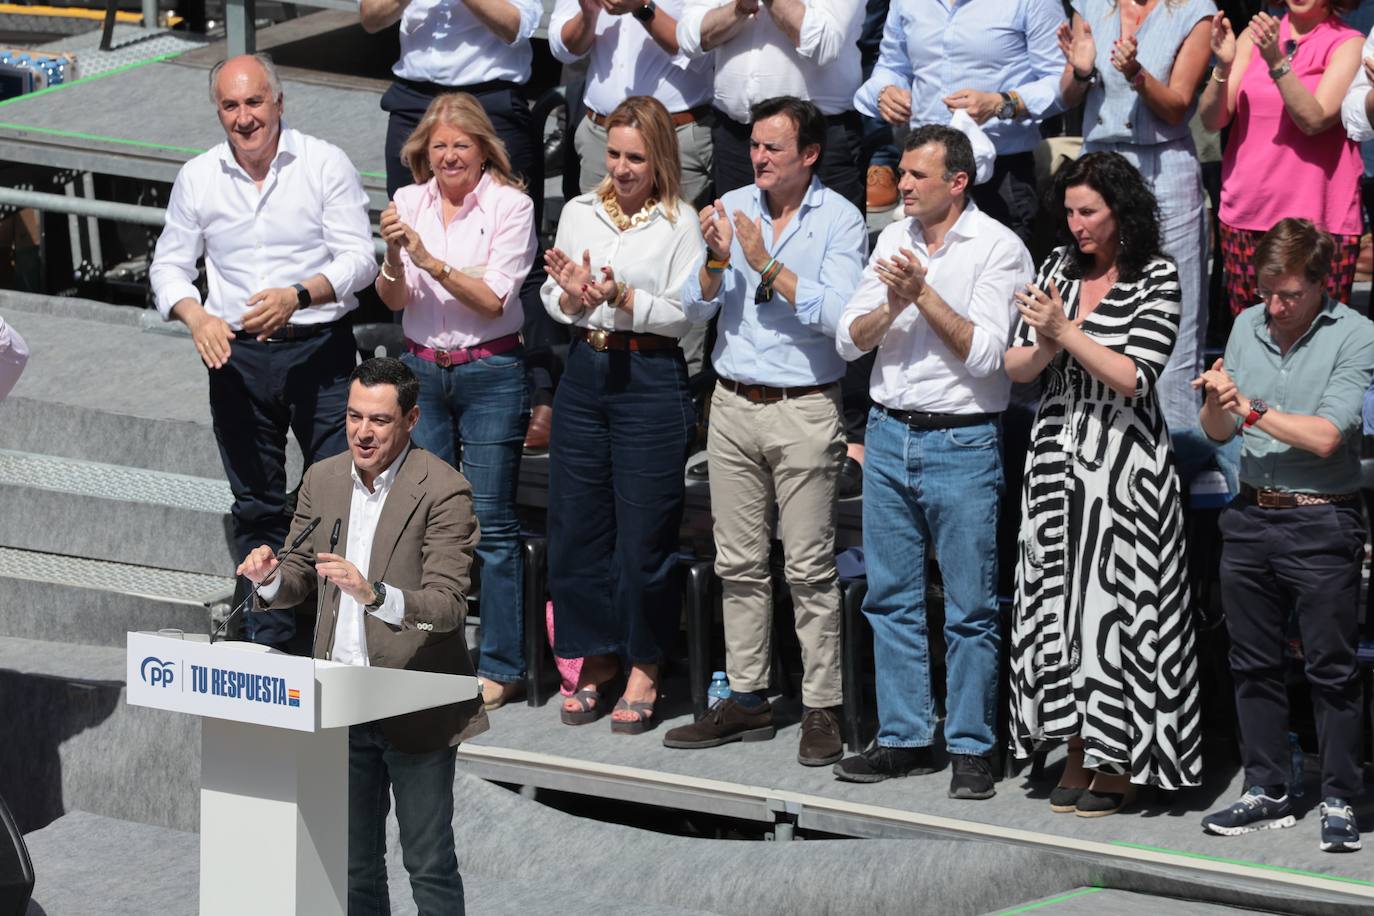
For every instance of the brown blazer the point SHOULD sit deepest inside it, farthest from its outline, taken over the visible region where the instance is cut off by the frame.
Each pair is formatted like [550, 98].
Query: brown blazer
[423, 546]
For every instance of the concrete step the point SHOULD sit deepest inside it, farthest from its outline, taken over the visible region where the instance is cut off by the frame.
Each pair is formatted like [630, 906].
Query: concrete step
[108, 512]
[94, 603]
[73, 744]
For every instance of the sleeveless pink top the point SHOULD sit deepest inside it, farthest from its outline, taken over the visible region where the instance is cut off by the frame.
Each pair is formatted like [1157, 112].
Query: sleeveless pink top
[1271, 169]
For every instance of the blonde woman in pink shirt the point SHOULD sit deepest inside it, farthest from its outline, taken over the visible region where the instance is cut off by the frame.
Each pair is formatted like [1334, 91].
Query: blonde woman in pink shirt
[459, 243]
[1279, 87]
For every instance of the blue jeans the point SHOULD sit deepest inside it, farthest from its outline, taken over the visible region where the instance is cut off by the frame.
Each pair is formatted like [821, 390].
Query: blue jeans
[622, 422]
[476, 413]
[423, 784]
[941, 488]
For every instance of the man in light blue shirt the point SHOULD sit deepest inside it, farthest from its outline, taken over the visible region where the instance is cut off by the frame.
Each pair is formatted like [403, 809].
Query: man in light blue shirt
[996, 59]
[783, 256]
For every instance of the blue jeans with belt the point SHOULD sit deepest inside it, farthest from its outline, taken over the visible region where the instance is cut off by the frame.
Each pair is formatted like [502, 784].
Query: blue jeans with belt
[473, 416]
[423, 785]
[923, 489]
[622, 422]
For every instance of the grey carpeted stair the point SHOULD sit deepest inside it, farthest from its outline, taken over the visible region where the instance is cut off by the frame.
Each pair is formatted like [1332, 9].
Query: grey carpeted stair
[109, 512]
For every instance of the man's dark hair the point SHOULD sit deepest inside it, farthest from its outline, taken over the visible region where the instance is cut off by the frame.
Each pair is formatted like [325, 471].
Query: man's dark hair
[384, 370]
[958, 149]
[809, 121]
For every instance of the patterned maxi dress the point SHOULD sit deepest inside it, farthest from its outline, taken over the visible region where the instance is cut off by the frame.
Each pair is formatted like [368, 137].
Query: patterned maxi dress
[1102, 637]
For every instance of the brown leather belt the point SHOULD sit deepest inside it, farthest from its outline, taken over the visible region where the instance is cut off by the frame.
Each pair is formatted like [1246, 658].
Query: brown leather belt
[679, 118]
[763, 394]
[919, 419]
[602, 340]
[1287, 499]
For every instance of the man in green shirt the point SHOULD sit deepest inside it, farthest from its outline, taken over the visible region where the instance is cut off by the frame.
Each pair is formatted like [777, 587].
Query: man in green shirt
[1293, 382]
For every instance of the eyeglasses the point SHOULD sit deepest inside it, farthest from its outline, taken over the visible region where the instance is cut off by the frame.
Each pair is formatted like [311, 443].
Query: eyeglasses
[1287, 297]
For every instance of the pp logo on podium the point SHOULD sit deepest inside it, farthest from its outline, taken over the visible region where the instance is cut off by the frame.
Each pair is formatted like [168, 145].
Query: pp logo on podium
[156, 673]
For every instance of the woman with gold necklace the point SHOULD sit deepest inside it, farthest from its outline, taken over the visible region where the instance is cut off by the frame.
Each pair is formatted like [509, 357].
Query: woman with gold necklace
[1136, 65]
[622, 417]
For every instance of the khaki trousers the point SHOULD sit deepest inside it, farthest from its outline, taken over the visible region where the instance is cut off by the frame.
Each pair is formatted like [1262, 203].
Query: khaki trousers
[790, 452]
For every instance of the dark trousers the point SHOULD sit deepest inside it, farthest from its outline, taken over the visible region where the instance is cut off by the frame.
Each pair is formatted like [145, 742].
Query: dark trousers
[622, 422]
[1009, 195]
[261, 392]
[839, 168]
[423, 786]
[1275, 562]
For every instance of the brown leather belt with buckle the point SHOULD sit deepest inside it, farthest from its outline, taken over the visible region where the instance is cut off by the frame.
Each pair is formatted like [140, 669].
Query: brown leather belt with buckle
[601, 340]
[1287, 499]
[919, 419]
[763, 394]
[679, 118]
[445, 359]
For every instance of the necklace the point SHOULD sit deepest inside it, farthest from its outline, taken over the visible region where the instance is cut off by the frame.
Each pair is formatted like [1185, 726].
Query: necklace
[617, 215]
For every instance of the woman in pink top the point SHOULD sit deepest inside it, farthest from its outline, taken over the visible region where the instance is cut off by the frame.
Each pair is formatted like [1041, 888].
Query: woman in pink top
[1279, 86]
[459, 243]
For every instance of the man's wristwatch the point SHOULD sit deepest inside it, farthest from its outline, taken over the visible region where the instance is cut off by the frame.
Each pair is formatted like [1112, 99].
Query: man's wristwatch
[1008, 109]
[302, 295]
[1089, 79]
[1257, 409]
[646, 12]
[378, 595]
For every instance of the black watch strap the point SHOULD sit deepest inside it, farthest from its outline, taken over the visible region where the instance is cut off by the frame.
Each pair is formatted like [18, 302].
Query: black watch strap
[378, 595]
[646, 12]
[302, 295]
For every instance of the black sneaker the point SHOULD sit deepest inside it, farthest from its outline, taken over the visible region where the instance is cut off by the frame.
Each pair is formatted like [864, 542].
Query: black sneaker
[972, 777]
[1251, 812]
[877, 763]
[1340, 832]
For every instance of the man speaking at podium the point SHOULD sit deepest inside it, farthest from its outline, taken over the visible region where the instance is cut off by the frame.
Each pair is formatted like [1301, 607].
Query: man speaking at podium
[394, 596]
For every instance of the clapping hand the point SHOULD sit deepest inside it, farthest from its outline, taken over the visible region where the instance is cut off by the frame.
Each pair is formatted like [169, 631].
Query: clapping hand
[1264, 32]
[1043, 310]
[903, 276]
[1078, 46]
[750, 235]
[1221, 390]
[716, 228]
[398, 235]
[572, 276]
[605, 289]
[1123, 57]
[1223, 41]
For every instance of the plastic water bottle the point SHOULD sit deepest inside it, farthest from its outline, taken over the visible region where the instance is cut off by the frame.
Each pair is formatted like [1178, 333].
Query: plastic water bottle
[719, 691]
[1295, 787]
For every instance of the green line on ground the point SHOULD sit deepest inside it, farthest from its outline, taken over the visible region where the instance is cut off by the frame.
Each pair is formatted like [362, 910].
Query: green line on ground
[372, 174]
[78, 135]
[1051, 902]
[95, 76]
[1279, 868]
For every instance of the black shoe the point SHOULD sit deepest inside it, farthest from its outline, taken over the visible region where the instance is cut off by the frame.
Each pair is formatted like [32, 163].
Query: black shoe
[1101, 804]
[1064, 799]
[877, 763]
[851, 484]
[972, 777]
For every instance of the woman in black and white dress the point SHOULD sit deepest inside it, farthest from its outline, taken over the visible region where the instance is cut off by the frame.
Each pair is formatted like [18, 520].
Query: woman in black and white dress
[1102, 640]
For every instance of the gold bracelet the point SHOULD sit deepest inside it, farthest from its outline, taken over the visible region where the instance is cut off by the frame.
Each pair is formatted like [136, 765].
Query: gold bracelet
[1222, 80]
[388, 276]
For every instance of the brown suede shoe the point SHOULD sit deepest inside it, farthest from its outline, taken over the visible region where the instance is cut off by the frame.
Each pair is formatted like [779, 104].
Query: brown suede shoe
[722, 724]
[537, 433]
[820, 743]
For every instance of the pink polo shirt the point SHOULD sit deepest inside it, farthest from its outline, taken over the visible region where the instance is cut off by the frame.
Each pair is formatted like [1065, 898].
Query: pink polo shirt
[491, 236]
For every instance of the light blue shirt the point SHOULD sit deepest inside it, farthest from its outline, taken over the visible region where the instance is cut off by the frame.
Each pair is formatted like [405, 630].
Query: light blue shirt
[937, 47]
[1114, 112]
[779, 343]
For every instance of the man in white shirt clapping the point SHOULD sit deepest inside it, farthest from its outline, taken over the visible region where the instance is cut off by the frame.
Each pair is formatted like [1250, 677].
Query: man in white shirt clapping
[936, 302]
[281, 219]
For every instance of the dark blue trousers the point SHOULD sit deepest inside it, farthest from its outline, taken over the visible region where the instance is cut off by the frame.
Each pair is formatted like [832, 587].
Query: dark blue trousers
[261, 392]
[622, 422]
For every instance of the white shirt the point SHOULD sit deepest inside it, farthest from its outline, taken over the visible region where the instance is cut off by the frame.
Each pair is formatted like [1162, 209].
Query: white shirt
[625, 61]
[1353, 115]
[364, 509]
[760, 62]
[310, 217]
[443, 42]
[14, 355]
[654, 259]
[976, 272]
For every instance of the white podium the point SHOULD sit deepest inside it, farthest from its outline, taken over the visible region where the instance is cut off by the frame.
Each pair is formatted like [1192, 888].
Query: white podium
[274, 761]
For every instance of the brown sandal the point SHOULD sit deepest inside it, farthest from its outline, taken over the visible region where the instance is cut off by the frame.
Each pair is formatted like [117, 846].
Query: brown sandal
[587, 712]
[644, 709]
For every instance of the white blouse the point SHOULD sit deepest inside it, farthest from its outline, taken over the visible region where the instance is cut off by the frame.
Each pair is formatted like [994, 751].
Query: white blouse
[654, 259]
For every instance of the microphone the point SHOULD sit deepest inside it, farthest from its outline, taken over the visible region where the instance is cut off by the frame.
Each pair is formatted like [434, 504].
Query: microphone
[296, 542]
[333, 542]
